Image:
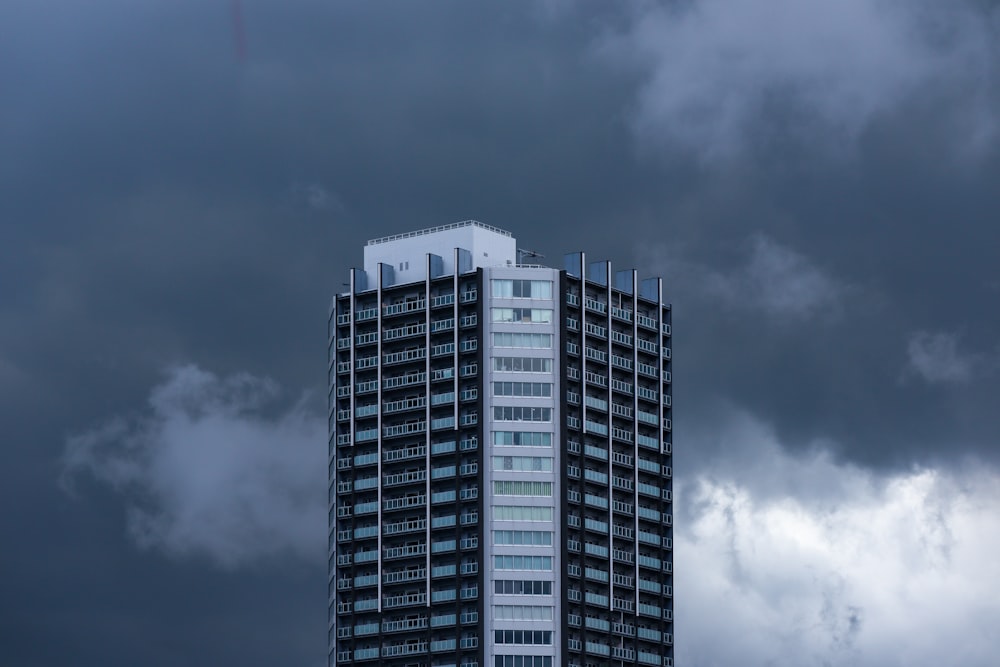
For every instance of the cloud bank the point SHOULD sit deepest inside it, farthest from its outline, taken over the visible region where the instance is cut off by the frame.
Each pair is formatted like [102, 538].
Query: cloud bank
[770, 277]
[935, 358]
[780, 559]
[713, 69]
[796, 561]
[207, 472]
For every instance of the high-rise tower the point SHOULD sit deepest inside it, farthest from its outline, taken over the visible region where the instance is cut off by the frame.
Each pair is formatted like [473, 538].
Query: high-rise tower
[499, 459]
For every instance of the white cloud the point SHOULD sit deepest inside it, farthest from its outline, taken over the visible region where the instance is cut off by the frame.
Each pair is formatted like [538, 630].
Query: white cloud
[774, 279]
[715, 68]
[780, 280]
[864, 571]
[318, 197]
[935, 357]
[204, 474]
[782, 560]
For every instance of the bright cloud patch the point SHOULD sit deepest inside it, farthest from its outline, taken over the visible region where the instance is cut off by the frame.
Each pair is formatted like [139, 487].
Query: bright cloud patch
[775, 278]
[205, 474]
[717, 67]
[780, 560]
[935, 358]
[861, 571]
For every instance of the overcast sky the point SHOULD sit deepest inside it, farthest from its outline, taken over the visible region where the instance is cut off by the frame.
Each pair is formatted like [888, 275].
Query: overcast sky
[818, 183]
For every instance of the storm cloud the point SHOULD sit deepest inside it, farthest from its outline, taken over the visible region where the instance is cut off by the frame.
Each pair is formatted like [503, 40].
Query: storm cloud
[804, 561]
[816, 183]
[720, 76]
[204, 472]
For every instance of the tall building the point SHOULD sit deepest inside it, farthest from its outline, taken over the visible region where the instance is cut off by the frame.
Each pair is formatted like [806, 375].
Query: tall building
[499, 459]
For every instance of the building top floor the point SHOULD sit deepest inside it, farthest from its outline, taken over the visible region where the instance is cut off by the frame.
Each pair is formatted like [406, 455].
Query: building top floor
[462, 247]
[406, 254]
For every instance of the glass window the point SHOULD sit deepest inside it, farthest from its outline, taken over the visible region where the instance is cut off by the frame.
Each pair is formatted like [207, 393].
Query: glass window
[522, 365]
[522, 438]
[518, 413]
[523, 315]
[526, 389]
[522, 289]
[529, 340]
[523, 463]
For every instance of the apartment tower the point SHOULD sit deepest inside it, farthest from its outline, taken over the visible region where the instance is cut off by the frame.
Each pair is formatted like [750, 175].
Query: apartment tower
[499, 459]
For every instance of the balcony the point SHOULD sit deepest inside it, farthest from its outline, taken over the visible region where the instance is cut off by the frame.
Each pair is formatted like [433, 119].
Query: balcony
[365, 339]
[623, 363]
[442, 349]
[404, 356]
[367, 387]
[404, 527]
[405, 454]
[647, 346]
[401, 576]
[442, 300]
[438, 448]
[621, 314]
[404, 405]
[646, 322]
[407, 551]
[408, 477]
[442, 374]
[404, 307]
[621, 338]
[366, 315]
[394, 504]
[443, 325]
[409, 648]
[404, 429]
[405, 332]
[404, 380]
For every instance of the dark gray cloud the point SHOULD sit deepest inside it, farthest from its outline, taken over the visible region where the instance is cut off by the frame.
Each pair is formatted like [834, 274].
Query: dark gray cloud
[819, 192]
[800, 560]
[206, 474]
[717, 73]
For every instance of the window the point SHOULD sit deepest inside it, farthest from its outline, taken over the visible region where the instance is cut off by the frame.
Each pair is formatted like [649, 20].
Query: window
[519, 562]
[522, 439]
[524, 637]
[524, 315]
[523, 463]
[528, 538]
[518, 612]
[521, 513]
[522, 661]
[521, 488]
[520, 413]
[518, 587]
[522, 289]
[529, 389]
[522, 365]
[529, 340]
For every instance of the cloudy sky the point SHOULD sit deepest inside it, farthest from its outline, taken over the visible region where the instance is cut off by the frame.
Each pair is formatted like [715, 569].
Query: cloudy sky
[180, 196]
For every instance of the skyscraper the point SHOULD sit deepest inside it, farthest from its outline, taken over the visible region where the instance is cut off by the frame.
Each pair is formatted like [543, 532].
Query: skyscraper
[499, 459]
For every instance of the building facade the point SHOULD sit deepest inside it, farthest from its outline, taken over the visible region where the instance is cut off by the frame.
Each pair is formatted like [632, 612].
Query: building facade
[499, 459]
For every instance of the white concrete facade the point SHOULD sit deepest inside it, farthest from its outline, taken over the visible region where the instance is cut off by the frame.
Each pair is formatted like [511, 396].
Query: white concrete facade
[405, 253]
[492, 426]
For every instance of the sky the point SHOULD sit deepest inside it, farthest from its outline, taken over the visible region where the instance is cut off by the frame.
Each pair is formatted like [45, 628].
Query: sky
[182, 190]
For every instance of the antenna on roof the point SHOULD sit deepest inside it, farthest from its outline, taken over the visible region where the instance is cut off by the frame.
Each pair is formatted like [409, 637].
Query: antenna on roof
[524, 252]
